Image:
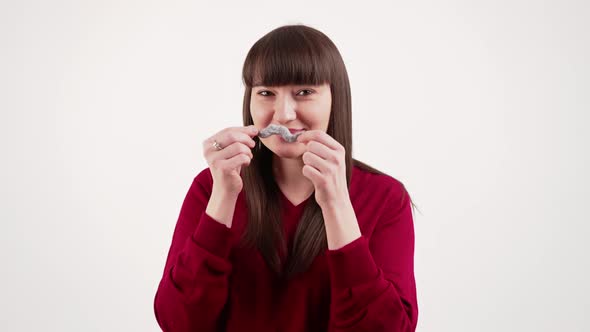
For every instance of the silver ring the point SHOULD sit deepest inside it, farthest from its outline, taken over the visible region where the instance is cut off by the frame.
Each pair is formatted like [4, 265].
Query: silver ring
[217, 145]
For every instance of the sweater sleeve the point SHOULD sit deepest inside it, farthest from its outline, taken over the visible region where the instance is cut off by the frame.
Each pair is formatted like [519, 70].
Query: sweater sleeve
[194, 287]
[373, 285]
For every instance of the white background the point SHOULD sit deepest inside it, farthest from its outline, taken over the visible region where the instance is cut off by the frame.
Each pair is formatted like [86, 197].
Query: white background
[479, 108]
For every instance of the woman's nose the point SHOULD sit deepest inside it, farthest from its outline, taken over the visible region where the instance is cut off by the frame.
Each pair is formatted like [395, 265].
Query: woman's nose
[284, 109]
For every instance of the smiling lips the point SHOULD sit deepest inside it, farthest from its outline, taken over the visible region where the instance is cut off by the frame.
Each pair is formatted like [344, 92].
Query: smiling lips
[293, 131]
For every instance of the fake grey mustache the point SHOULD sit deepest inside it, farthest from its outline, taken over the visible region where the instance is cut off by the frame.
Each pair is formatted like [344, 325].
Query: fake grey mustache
[274, 129]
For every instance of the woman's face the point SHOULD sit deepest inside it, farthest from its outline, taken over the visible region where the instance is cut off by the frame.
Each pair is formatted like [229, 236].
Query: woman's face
[293, 106]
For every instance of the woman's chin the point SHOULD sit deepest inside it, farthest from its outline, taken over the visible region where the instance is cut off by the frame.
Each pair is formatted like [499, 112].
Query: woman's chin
[288, 150]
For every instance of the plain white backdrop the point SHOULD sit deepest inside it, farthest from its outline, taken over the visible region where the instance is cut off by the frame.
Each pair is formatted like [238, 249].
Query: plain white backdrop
[480, 108]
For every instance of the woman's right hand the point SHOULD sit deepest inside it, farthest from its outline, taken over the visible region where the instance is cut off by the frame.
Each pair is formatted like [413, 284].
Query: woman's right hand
[226, 164]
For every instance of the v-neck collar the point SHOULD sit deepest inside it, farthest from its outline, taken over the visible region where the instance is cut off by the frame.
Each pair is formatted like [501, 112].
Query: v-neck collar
[290, 204]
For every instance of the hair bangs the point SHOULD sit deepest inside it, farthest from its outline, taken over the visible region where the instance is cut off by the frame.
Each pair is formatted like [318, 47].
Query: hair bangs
[287, 58]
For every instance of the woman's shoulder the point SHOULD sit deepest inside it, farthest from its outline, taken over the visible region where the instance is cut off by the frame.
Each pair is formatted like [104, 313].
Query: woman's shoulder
[378, 183]
[204, 176]
[203, 181]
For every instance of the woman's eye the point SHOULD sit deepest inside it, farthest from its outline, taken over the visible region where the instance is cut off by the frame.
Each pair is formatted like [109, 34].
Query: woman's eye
[266, 93]
[262, 93]
[306, 93]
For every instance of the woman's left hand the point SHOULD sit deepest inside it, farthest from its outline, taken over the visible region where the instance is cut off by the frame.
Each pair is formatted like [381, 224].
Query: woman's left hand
[325, 167]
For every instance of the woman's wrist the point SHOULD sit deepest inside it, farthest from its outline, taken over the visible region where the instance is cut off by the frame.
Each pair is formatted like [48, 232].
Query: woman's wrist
[221, 207]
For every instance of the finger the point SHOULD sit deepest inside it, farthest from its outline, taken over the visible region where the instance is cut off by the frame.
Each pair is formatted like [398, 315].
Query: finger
[235, 161]
[322, 151]
[233, 134]
[312, 174]
[312, 159]
[228, 153]
[320, 136]
[233, 150]
[248, 130]
[228, 137]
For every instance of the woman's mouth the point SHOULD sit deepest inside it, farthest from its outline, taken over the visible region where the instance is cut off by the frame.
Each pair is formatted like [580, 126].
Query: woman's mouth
[294, 131]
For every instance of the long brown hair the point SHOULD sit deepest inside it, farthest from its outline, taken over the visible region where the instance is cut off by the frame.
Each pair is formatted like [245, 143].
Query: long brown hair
[292, 54]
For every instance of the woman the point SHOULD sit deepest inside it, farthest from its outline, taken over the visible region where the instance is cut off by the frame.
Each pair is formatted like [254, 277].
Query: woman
[280, 236]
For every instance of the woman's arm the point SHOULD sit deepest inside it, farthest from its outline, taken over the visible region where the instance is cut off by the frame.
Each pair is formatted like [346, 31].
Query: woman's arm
[194, 287]
[373, 285]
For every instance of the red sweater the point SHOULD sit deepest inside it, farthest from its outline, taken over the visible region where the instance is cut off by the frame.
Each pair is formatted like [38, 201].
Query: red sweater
[208, 284]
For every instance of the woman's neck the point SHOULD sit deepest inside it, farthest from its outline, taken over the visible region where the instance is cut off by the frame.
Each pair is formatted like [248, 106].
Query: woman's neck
[287, 173]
